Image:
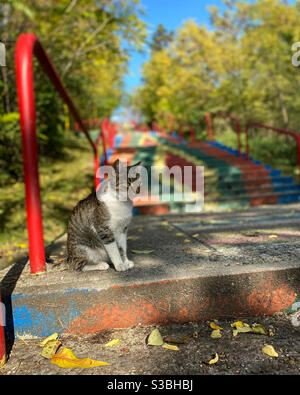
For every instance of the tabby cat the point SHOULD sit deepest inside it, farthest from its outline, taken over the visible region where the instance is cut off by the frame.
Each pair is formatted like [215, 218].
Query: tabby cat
[97, 228]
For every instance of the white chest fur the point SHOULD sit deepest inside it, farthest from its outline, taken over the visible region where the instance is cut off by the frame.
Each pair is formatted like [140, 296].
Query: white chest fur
[120, 212]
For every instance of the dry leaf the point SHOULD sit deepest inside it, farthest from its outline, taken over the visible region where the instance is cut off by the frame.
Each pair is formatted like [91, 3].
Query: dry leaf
[242, 327]
[195, 335]
[271, 332]
[50, 348]
[54, 336]
[258, 328]
[272, 236]
[179, 234]
[170, 347]
[142, 251]
[196, 235]
[186, 241]
[213, 360]
[269, 350]
[111, 343]
[216, 334]
[239, 323]
[214, 326]
[155, 338]
[66, 359]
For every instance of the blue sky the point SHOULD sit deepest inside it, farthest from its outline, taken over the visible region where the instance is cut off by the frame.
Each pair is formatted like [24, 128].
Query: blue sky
[171, 13]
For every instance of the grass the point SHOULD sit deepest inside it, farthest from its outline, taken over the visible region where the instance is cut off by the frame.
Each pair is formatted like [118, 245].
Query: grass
[63, 183]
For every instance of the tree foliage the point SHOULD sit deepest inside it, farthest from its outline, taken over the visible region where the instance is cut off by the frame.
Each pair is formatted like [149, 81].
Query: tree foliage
[89, 42]
[241, 66]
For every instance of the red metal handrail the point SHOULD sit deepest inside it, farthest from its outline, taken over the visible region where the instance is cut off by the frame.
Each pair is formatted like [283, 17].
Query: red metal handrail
[27, 46]
[278, 130]
[237, 127]
[2, 335]
[209, 131]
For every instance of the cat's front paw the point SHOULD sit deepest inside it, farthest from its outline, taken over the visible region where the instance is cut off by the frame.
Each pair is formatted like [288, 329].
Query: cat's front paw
[129, 263]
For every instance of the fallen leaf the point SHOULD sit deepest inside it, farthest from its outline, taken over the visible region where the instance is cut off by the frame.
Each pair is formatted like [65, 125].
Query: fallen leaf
[179, 234]
[271, 332]
[54, 336]
[50, 348]
[155, 338]
[242, 327]
[111, 343]
[195, 335]
[214, 326]
[170, 347]
[269, 350]
[177, 340]
[186, 241]
[142, 251]
[66, 359]
[213, 360]
[271, 236]
[196, 235]
[258, 328]
[239, 323]
[216, 334]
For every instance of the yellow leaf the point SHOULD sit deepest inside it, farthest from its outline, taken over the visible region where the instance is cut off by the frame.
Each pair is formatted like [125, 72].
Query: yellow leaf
[214, 326]
[272, 236]
[187, 241]
[259, 328]
[54, 336]
[170, 347]
[22, 245]
[179, 234]
[239, 323]
[214, 360]
[66, 359]
[50, 348]
[269, 350]
[155, 338]
[111, 343]
[196, 235]
[216, 334]
[195, 335]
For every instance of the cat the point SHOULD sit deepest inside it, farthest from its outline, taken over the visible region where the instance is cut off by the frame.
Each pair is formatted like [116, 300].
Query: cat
[97, 228]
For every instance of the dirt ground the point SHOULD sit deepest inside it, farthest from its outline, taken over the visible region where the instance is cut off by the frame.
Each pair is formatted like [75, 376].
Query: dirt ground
[240, 355]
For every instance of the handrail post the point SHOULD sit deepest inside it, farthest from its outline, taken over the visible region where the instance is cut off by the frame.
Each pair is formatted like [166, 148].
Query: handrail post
[25, 88]
[192, 134]
[208, 126]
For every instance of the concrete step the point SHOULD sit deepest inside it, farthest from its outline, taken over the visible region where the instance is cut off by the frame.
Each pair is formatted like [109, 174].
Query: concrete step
[204, 266]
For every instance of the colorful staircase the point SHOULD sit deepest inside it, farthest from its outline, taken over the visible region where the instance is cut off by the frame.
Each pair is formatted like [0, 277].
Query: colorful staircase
[229, 180]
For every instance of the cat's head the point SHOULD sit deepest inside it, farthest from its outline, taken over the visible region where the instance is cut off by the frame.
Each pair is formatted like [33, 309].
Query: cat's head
[126, 179]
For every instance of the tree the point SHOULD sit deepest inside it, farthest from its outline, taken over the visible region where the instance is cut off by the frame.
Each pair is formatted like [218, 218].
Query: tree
[161, 38]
